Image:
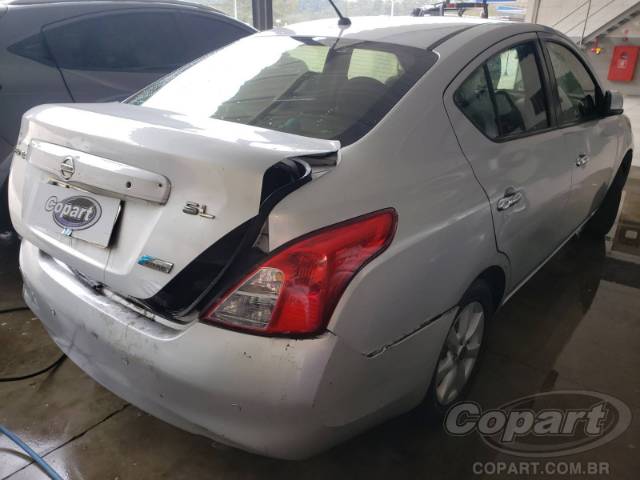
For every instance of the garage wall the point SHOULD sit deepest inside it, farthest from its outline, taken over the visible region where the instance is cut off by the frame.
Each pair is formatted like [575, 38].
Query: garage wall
[568, 16]
[629, 34]
[602, 61]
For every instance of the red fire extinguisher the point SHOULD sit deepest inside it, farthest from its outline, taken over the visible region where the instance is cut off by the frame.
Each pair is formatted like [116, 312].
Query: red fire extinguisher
[623, 63]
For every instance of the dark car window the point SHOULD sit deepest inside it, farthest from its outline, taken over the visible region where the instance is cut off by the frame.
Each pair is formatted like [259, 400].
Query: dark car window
[205, 34]
[122, 41]
[33, 48]
[474, 99]
[505, 96]
[317, 87]
[518, 90]
[577, 92]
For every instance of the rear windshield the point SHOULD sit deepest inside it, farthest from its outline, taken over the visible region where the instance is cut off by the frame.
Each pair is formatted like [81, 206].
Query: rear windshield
[318, 87]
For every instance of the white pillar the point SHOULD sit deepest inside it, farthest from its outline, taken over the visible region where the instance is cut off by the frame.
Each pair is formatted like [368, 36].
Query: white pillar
[533, 8]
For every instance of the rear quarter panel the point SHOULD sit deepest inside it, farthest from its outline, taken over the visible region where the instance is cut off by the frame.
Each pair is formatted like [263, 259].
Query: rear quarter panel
[410, 161]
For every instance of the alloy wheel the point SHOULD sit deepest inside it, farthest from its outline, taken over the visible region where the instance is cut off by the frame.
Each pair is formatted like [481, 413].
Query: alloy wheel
[460, 353]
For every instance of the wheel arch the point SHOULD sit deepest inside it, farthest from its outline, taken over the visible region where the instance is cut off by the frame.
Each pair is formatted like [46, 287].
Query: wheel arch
[620, 174]
[626, 162]
[496, 278]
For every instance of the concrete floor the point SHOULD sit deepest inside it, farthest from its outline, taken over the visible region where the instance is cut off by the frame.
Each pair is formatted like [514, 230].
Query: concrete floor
[575, 325]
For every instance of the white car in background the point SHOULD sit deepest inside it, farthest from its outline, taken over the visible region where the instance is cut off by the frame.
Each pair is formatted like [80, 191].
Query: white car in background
[305, 233]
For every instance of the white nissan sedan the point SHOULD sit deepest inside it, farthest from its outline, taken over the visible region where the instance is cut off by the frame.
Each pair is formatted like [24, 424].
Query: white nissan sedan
[306, 232]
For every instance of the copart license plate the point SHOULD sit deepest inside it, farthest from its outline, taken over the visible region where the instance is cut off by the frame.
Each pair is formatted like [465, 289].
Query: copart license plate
[73, 213]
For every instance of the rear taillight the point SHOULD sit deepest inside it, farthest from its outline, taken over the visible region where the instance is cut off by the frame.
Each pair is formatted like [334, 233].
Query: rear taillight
[296, 289]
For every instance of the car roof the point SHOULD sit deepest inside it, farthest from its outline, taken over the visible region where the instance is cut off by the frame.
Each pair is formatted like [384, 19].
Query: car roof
[421, 32]
[158, 2]
[204, 8]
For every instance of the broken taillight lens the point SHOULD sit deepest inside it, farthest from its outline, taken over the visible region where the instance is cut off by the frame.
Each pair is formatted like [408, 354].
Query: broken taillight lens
[296, 289]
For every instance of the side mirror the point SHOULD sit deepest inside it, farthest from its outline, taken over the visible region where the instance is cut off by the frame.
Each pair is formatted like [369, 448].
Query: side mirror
[613, 103]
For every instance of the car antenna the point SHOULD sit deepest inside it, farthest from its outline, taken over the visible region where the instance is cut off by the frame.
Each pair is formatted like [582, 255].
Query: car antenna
[343, 21]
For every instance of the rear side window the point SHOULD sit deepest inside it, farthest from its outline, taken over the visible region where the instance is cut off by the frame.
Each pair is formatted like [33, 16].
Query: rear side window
[33, 48]
[205, 34]
[474, 99]
[505, 96]
[317, 87]
[577, 92]
[131, 41]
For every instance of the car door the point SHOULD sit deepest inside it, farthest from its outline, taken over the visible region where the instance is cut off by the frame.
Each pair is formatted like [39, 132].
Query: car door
[591, 139]
[109, 55]
[500, 110]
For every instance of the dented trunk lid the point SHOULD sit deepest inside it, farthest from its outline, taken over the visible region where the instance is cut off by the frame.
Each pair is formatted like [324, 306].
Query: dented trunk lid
[178, 184]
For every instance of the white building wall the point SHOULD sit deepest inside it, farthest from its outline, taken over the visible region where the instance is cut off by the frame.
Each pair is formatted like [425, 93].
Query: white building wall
[568, 16]
[553, 12]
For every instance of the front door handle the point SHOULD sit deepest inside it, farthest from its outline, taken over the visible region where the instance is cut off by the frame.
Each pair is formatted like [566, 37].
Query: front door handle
[511, 197]
[582, 160]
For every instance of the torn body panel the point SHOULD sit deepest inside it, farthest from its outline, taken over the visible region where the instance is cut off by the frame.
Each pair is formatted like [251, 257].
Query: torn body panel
[274, 396]
[214, 163]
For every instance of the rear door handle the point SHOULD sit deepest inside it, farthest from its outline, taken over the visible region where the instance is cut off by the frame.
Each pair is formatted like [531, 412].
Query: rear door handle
[511, 197]
[582, 160]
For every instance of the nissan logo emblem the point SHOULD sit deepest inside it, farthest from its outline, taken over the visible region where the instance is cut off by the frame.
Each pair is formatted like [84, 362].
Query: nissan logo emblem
[67, 168]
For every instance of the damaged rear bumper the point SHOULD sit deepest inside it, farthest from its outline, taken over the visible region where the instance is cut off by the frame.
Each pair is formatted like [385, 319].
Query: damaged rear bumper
[273, 396]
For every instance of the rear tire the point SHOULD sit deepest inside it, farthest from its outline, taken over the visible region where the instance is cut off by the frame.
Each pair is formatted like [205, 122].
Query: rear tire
[477, 305]
[604, 218]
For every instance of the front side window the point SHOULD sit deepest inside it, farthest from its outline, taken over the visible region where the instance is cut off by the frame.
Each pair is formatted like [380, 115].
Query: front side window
[505, 96]
[577, 92]
[317, 87]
